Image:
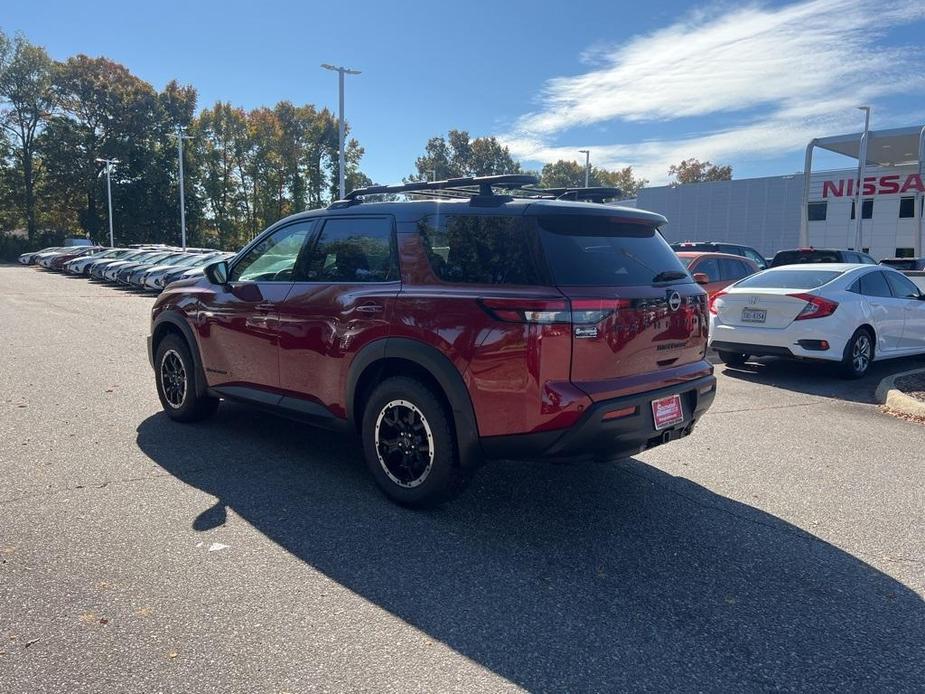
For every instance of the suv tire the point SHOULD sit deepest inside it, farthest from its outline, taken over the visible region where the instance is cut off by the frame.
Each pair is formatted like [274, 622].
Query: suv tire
[174, 374]
[409, 444]
[859, 354]
[733, 358]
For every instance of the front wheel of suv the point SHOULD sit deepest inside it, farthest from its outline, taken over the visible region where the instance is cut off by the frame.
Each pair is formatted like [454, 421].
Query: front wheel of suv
[176, 386]
[409, 444]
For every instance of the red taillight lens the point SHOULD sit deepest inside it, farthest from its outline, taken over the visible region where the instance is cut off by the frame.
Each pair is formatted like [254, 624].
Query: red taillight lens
[713, 299]
[816, 306]
[592, 311]
[527, 310]
[575, 311]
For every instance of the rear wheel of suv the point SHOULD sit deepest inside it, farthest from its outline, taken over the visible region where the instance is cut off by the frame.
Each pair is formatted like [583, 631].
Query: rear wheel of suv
[409, 444]
[733, 358]
[176, 386]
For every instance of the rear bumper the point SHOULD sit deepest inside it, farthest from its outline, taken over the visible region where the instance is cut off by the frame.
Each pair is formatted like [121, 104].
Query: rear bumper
[784, 342]
[593, 435]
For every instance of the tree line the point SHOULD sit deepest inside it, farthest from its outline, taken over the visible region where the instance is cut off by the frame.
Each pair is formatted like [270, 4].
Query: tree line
[243, 169]
[458, 154]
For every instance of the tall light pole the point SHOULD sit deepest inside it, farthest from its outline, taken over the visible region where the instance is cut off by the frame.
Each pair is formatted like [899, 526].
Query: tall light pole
[587, 154]
[180, 137]
[109, 164]
[858, 198]
[341, 71]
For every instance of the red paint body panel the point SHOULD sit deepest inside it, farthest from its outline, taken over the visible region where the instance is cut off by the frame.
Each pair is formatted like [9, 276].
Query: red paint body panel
[321, 327]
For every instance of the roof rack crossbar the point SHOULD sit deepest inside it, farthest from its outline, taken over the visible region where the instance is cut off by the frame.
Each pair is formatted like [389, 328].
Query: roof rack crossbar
[483, 183]
[594, 193]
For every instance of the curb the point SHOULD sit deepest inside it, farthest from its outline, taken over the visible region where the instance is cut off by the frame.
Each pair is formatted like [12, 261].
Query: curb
[898, 401]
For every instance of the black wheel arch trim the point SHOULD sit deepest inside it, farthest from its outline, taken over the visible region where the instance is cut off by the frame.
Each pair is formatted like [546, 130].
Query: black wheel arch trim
[444, 372]
[177, 320]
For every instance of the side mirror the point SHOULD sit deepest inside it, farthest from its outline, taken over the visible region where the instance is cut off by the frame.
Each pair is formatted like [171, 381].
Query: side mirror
[701, 278]
[217, 273]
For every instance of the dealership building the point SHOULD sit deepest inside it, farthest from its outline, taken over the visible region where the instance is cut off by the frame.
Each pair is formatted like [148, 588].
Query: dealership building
[825, 209]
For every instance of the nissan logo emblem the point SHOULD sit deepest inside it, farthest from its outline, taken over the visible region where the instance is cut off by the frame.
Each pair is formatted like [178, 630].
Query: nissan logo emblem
[674, 301]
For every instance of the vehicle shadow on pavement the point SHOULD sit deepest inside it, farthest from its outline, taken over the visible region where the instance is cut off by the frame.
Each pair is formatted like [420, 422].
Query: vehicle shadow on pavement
[565, 577]
[814, 378]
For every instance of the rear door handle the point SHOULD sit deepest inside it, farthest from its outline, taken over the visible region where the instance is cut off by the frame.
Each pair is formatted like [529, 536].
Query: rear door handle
[265, 306]
[369, 308]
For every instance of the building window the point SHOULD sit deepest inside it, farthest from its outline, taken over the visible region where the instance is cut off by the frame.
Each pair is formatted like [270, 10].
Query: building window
[906, 208]
[867, 209]
[905, 252]
[815, 211]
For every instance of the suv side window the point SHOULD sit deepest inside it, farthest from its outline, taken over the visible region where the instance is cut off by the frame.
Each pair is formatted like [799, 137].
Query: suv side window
[874, 284]
[481, 249]
[733, 270]
[353, 249]
[710, 267]
[902, 287]
[273, 259]
[759, 261]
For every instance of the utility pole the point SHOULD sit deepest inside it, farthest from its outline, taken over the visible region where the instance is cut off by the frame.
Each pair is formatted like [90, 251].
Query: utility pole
[109, 164]
[341, 71]
[862, 164]
[587, 154]
[180, 137]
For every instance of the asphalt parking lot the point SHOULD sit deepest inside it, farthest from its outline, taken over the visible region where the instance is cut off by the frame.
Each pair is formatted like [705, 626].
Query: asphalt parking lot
[781, 547]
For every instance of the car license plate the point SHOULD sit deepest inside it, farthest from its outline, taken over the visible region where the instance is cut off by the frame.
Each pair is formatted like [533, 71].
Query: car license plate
[754, 315]
[667, 411]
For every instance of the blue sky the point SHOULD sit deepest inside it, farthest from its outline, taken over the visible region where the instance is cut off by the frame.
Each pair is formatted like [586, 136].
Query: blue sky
[645, 84]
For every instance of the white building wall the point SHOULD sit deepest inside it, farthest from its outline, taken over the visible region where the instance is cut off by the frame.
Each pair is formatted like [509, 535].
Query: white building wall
[765, 212]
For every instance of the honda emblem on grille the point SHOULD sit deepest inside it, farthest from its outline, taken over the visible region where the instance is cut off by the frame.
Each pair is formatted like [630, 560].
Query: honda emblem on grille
[674, 301]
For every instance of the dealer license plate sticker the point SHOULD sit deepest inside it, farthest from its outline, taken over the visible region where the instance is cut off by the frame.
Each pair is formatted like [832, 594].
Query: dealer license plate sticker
[667, 411]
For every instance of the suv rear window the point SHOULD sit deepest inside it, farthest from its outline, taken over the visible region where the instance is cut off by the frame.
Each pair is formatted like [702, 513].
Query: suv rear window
[789, 279]
[481, 249]
[599, 251]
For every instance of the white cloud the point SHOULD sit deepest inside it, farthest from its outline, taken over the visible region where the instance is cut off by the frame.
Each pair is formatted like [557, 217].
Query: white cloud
[803, 67]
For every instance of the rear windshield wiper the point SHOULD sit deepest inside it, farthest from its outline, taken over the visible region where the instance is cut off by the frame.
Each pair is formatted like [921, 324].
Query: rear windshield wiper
[669, 275]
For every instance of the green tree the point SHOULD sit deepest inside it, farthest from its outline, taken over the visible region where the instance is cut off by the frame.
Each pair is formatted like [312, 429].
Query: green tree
[457, 155]
[571, 174]
[104, 111]
[27, 97]
[696, 171]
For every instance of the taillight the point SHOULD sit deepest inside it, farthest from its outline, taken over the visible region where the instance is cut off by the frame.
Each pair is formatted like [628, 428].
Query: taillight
[713, 299]
[527, 310]
[593, 311]
[576, 311]
[816, 306]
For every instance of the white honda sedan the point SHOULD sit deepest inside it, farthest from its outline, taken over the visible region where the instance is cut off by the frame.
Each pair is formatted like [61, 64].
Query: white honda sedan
[852, 314]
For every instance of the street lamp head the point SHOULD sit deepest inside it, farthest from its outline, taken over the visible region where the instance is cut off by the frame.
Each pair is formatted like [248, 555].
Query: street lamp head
[585, 151]
[338, 68]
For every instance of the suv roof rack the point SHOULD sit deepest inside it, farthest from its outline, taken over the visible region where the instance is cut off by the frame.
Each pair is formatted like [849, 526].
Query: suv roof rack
[481, 188]
[591, 194]
[457, 185]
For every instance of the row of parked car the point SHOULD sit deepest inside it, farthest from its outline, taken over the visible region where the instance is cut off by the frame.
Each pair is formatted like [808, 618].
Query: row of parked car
[143, 267]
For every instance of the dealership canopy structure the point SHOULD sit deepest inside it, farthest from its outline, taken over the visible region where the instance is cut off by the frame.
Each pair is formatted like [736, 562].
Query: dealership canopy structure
[827, 208]
[889, 162]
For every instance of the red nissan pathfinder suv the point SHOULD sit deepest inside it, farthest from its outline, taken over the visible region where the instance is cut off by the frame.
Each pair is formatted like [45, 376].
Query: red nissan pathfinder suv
[499, 322]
